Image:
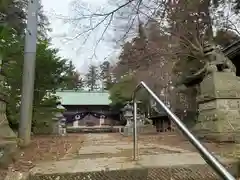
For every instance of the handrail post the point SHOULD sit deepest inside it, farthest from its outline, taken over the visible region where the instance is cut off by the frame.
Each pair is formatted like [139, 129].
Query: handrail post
[135, 131]
[206, 155]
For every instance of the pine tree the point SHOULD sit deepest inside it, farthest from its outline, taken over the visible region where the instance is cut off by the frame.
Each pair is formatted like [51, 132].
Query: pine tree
[92, 78]
[105, 75]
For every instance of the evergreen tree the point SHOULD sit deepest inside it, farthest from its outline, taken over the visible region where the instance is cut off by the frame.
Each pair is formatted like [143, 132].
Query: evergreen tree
[92, 78]
[105, 75]
[51, 70]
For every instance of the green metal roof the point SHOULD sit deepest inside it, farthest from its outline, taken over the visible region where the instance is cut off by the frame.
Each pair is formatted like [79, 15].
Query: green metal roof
[70, 97]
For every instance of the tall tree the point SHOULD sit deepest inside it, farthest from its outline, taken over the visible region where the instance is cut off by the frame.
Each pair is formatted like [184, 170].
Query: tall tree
[121, 92]
[78, 81]
[72, 78]
[51, 72]
[13, 14]
[105, 75]
[92, 77]
[148, 56]
[181, 29]
[191, 25]
[50, 68]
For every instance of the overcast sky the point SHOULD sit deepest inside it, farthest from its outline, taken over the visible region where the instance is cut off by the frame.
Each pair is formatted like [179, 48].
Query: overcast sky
[80, 55]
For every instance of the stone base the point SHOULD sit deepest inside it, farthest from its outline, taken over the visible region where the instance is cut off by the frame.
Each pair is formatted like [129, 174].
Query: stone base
[127, 131]
[7, 153]
[141, 129]
[218, 137]
[8, 139]
[220, 123]
[6, 132]
[219, 85]
[219, 107]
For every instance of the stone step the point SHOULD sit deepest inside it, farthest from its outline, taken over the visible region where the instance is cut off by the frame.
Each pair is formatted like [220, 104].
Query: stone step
[194, 172]
[183, 166]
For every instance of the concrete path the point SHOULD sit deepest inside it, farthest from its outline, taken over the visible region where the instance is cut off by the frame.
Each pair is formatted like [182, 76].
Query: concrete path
[104, 145]
[103, 152]
[118, 163]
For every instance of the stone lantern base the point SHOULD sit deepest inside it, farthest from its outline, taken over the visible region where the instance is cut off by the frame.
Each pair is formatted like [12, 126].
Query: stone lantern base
[8, 139]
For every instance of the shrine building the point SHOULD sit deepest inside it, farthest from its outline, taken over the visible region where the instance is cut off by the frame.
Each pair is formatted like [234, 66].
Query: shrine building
[88, 108]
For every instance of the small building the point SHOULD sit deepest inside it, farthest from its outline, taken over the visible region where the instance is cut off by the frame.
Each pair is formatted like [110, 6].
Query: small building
[233, 53]
[86, 108]
[160, 118]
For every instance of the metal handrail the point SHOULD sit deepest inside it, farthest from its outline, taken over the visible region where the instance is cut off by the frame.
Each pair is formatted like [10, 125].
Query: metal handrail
[206, 155]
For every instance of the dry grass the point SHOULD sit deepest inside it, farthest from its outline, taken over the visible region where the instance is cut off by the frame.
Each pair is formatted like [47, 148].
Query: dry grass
[43, 148]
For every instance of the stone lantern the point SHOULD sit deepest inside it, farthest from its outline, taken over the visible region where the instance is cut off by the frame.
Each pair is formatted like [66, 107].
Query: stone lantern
[128, 114]
[59, 121]
[8, 144]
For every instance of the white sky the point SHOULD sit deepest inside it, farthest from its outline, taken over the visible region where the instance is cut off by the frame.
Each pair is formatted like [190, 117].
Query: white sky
[72, 50]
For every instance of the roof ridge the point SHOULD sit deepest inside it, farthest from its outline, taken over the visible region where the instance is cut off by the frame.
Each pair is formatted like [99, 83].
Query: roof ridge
[83, 97]
[82, 91]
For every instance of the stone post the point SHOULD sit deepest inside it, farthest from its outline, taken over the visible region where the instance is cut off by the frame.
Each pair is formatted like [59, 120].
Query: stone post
[102, 119]
[75, 123]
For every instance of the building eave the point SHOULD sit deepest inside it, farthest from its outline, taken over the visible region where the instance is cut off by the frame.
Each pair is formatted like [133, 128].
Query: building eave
[85, 104]
[232, 50]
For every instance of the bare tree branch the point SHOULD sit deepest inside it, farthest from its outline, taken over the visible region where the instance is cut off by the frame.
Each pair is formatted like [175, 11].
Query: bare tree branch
[108, 16]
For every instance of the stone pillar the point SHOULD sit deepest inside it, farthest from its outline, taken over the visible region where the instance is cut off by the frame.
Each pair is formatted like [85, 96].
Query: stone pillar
[63, 130]
[102, 119]
[219, 107]
[75, 123]
[8, 143]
